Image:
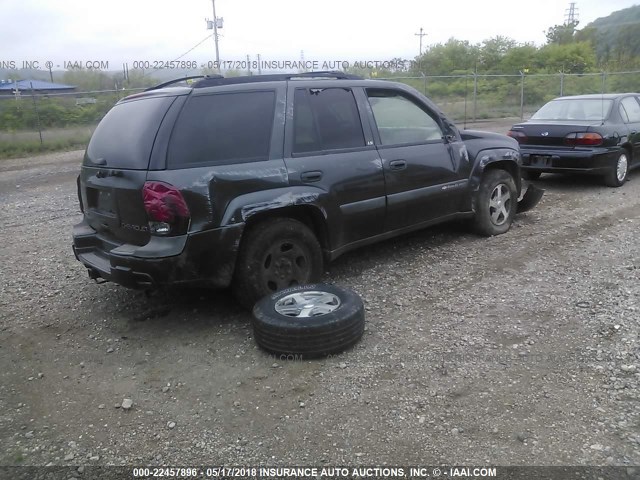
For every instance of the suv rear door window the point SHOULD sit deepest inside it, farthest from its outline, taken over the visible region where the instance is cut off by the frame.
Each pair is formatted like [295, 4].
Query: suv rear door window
[223, 128]
[125, 136]
[326, 119]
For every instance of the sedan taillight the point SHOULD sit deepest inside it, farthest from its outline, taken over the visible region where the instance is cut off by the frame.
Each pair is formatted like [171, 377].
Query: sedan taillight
[166, 208]
[519, 136]
[590, 139]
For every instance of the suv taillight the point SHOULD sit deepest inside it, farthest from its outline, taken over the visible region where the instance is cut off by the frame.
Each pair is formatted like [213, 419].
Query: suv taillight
[79, 194]
[165, 206]
[519, 136]
[583, 139]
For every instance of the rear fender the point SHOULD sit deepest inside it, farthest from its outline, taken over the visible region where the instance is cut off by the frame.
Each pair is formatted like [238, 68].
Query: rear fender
[244, 207]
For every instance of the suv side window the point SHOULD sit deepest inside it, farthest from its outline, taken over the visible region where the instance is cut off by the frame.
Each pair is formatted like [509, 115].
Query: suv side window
[400, 120]
[632, 108]
[325, 119]
[223, 128]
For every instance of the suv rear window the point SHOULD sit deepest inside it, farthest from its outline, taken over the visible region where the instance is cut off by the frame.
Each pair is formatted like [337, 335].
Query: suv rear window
[125, 135]
[325, 119]
[223, 128]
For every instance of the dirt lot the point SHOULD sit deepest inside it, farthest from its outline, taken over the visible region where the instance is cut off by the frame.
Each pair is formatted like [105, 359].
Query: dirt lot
[521, 349]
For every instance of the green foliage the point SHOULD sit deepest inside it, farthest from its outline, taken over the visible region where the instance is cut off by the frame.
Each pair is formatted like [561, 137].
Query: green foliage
[23, 148]
[562, 34]
[444, 59]
[577, 57]
[616, 39]
[51, 112]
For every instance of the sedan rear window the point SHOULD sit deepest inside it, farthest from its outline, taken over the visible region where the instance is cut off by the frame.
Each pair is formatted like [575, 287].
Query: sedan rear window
[575, 109]
[125, 136]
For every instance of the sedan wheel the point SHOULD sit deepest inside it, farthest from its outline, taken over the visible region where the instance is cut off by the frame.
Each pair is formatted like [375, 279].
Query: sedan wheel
[619, 172]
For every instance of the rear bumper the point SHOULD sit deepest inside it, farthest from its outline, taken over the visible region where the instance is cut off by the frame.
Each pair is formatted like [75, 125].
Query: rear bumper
[597, 161]
[206, 258]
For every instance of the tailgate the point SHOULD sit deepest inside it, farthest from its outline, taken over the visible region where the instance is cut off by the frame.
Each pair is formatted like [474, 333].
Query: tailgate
[115, 169]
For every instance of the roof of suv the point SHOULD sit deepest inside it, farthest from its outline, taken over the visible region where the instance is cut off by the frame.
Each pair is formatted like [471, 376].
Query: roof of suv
[205, 81]
[220, 80]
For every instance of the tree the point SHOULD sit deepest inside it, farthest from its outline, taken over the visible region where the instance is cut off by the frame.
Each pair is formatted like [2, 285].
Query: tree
[562, 34]
[493, 51]
[445, 59]
[572, 58]
[519, 58]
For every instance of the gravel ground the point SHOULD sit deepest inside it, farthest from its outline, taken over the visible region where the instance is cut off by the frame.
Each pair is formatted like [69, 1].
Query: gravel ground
[521, 349]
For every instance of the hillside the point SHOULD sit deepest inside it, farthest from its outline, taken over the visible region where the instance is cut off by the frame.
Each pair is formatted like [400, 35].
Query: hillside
[616, 37]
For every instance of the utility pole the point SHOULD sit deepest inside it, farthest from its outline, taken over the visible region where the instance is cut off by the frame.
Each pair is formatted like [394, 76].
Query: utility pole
[215, 34]
[420, 35]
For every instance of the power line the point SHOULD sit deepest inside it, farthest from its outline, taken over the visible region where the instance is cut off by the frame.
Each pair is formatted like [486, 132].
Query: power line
[144, 74]
[194, 47]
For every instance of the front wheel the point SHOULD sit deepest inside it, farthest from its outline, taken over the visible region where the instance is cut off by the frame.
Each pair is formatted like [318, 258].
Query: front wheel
[496, 203]
[618, 173]
[275, 254]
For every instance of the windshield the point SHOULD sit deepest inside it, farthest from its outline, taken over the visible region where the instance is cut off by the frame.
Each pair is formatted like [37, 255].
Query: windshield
[596, 109]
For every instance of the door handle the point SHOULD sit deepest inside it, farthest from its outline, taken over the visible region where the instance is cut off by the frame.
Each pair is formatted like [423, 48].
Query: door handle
[312, 176]
[397, 164]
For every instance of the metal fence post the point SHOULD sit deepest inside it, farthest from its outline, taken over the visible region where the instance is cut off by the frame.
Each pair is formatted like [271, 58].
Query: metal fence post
[35, 106]
[561, 84]
[521, 95]
[475, 94]
[604, 79]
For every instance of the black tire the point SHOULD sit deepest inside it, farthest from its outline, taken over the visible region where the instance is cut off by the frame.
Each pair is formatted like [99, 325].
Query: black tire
[494, 216]
[619, 171]
[331, 321]
[529, 175]
[275, 254]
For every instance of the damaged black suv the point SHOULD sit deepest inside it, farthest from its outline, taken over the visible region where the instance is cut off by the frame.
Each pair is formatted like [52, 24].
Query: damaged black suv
[254, 182]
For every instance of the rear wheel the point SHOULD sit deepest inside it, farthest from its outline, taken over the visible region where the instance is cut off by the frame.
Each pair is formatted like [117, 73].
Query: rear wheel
[275, 254]
[618, 173]
[529, 175]
[496, 203]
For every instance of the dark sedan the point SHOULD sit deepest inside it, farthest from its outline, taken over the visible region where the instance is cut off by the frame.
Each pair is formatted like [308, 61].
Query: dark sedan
[594, 134]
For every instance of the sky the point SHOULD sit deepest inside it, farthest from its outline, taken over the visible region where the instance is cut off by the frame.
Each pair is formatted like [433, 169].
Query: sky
[120, 31]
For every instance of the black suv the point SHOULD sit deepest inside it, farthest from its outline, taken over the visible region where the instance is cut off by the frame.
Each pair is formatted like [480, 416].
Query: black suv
[253, 182]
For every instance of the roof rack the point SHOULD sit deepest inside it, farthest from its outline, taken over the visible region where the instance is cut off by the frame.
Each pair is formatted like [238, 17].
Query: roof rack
[178, 80]
[219, 80]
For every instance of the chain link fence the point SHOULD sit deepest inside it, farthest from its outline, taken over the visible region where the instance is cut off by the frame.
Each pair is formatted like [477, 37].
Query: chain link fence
[476, 97]
[32, 121]
[35, 121]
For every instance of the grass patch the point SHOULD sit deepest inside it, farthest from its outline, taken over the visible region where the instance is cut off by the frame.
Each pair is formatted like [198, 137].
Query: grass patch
[26, 143]
[27, 148]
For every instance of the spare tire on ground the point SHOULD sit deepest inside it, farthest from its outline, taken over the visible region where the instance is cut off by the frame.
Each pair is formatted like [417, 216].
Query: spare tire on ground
[309, 320]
